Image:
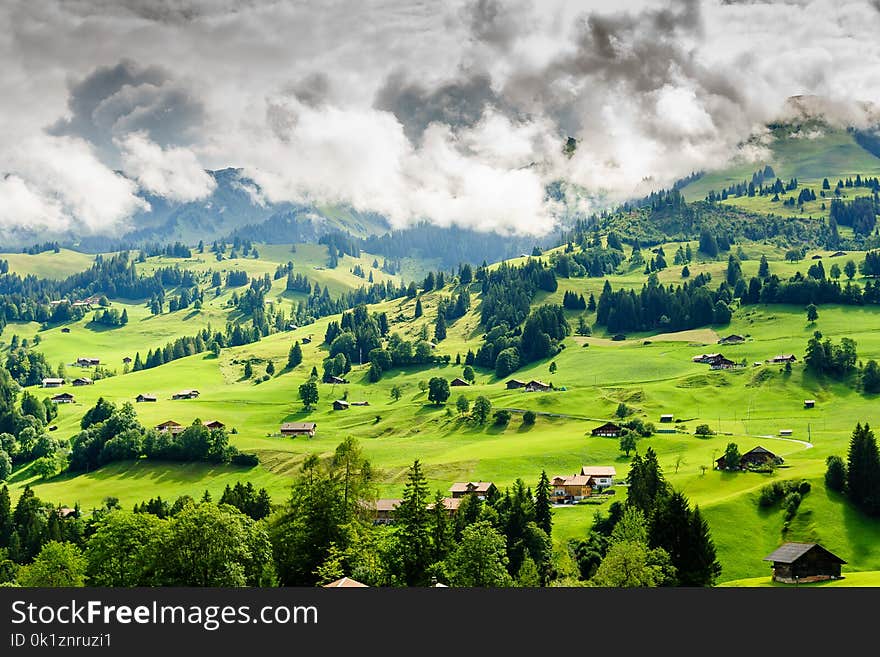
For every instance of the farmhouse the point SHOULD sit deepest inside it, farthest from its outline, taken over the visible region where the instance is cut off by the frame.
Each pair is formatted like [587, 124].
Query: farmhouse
[809, 403]
[360, 403]
[298, 429]
[608, 430]
[566, 490]
[146, 398]
[482, 489]
[667, 417]
[335, 379]
[722, 364]
[214, 424]
[837, 254]
[185, 394]
[340, 405]
[385, 511]
[732, 339]
[804, 562]
[53, 383]
[65, 330]
[126, 360]
[785, 432]
[756, 456]
[784, 358]
[601, 476]
[513, 384]
[706, 358]
[458, 381]
[537, 386]
[88, 362]
[63, 398]
[83, 381]
[170, 426]
[345, 583]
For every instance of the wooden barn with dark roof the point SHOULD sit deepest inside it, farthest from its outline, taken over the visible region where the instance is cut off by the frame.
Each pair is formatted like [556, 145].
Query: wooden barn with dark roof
[804, 562]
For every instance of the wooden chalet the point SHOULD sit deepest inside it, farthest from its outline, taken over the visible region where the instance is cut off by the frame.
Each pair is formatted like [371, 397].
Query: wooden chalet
[65, 330]
[804, 562]
[513, 384]
[458, 381]
[732, 339]
[53, 383]
[784, 358]
[335, 379]
[568, 490]
[667, 417]
[385, 511]
[722, 364]
[360, 403]
[146, 398]
[83, 381]
[601, 476]
[706, 358]
[299, 429]
[214, 424]
[126, 360]
[185, 394]
[170, 426]
[340, 405]
[482, 489]
[88, 362]
[757, 456]
[537, 386]
[608, 430]
[345, 583]
[63, 398]
[837, 254]
[809, 403]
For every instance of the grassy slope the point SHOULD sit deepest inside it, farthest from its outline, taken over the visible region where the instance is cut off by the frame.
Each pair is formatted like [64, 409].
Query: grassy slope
[653, 378]
[48, 264]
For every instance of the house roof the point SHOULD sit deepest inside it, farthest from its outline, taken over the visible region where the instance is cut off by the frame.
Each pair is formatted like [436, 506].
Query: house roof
[83, 379]
[63, 395]
[791, 552]
[598, 470]
[147, 396]
[169, 423]
[458, 381]
[51, 380]
[610, 426]
[299, 426]
[216, 423]
[341, 402]
[573, 480]
[387, 504]
[471, 486]
[517, 381]
[535, 382]
[345, 583]
[188, 392]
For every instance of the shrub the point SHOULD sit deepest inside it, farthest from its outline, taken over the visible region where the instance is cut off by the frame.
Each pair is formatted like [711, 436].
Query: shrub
[703, 430]
[502, 417]
[249, 460]
[529, 418]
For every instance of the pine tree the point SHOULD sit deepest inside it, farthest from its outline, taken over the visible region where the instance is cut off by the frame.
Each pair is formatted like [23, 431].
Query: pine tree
[418, 312]
[294, 356]
[863, 470]
[440, 327]
[248, 370]
[6, 525]
[543, 511]
[441, 529]
[414, 529]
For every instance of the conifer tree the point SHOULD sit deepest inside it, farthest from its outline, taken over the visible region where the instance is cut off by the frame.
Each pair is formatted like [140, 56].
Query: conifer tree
[414, 529]
[543, 512]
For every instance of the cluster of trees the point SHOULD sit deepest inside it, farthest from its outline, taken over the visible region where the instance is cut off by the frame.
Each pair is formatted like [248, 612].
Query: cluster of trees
[112, 434]
[655, 538]
[26, 366]
[176, 250]
[671, 308]
[540, 337]
[36, 249]
[828, 359]
[573, 301]
[746, 187]
[859, 477]
[111, 317]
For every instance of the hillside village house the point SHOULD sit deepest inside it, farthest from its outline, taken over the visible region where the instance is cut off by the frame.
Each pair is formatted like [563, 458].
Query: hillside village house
[809, 403]
[53, 383]
[65, 330]
[706, 358]
[83, 381]
[757, 456]
[601, 476]
[458, 381]
[537, 386]
[722, 364]
[185, 394]
[667, 417]
[340, 405]
[63, 398]
[482, 489]
[146, 398]
[170, 426]
[214, 424]
[608, 430]
[345, 583]
[385, 508]
[784, 358]
[88, 362]
[732, 339]
[335, 379]
[793, 563]
[513, 384]
[299, 429]
[567, 490]
[126, 360]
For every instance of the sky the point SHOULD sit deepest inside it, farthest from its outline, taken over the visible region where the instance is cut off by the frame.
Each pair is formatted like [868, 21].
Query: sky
[453, 112]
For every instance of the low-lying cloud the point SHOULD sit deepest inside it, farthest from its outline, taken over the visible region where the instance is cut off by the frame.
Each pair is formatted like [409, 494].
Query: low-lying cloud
[456, 116]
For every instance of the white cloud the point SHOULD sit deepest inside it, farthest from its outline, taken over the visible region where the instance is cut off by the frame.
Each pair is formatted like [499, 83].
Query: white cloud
[174, 172]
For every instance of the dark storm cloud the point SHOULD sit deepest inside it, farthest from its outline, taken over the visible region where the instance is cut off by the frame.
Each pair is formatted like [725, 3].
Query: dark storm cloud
[312, 90]
[495, 23]
[116, 100]
[455, 103]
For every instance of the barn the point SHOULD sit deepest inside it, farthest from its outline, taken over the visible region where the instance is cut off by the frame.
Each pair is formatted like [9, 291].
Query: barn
[804, 562]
